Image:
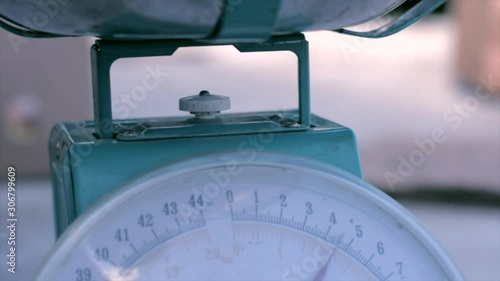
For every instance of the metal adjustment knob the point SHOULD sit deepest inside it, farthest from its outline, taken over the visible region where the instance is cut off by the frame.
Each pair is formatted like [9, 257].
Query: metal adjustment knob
[204, 105]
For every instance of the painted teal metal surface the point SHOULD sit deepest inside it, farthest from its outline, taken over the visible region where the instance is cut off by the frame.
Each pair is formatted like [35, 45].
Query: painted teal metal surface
[223, 125]
[85, 167]
[105, 53]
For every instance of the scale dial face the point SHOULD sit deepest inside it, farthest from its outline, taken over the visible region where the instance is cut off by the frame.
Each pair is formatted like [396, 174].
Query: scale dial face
[227, 217]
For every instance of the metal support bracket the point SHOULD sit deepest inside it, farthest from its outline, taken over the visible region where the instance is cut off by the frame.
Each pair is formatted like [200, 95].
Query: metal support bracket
[105, 53]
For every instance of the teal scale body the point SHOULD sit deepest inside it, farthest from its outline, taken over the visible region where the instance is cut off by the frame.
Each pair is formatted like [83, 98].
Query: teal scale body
[90, 159]
[84, 167]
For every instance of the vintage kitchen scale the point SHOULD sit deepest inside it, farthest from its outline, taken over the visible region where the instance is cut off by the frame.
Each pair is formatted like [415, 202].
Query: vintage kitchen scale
[213, 196]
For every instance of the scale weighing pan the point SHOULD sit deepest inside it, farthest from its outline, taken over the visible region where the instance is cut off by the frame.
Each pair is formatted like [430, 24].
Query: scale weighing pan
[198, 19]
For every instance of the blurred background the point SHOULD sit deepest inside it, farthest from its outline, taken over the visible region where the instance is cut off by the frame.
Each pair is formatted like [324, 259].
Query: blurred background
[440, 75]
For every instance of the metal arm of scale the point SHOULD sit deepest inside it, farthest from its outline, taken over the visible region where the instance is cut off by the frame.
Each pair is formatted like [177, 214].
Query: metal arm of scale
[237, 25]
[104, 53]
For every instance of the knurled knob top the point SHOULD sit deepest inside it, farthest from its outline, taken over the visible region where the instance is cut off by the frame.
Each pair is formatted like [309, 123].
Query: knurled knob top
[205, 105]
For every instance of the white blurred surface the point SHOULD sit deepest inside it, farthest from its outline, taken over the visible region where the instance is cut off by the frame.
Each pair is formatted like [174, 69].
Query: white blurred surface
[470, 234]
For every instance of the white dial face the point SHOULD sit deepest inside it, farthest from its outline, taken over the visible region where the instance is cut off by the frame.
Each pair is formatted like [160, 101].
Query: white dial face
[236, 220]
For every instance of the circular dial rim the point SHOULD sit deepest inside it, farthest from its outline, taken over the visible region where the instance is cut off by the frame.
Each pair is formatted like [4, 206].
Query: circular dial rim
[86, 223]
